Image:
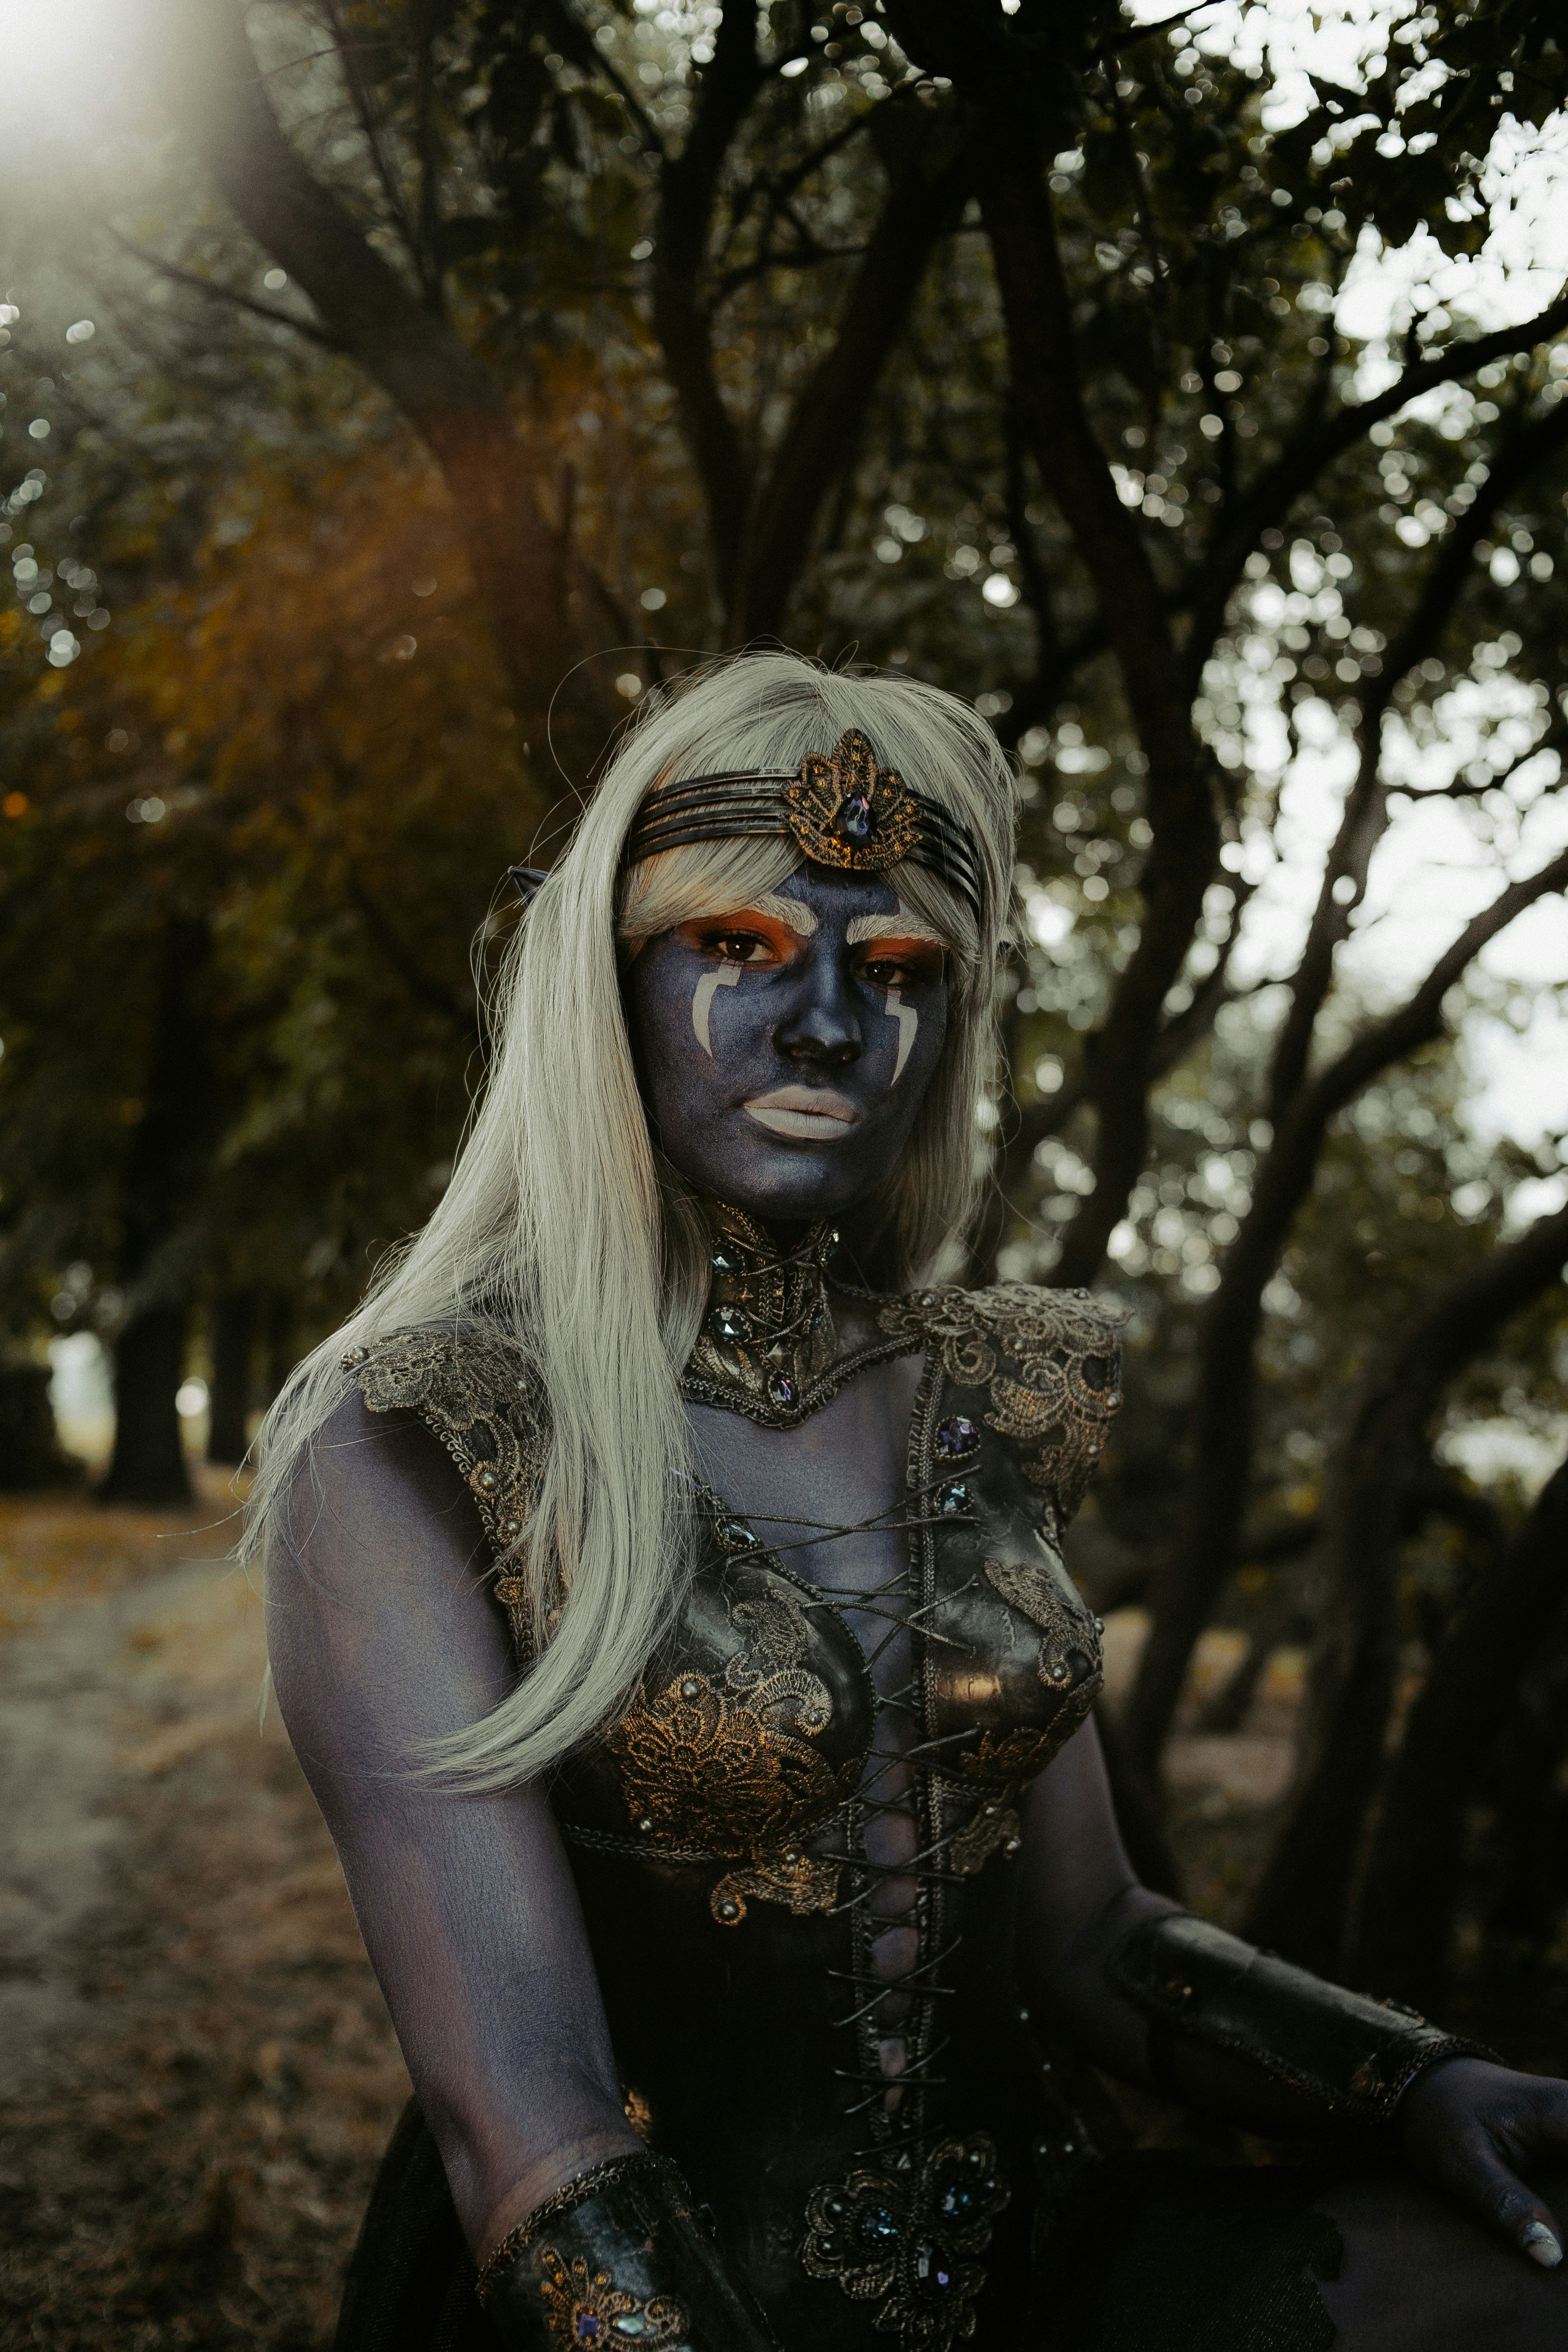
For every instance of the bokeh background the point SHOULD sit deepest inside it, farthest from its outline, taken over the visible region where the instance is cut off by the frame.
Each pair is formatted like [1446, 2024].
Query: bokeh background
[393, 393]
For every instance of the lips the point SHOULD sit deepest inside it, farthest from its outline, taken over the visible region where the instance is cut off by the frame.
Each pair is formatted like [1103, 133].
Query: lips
[808, 1113]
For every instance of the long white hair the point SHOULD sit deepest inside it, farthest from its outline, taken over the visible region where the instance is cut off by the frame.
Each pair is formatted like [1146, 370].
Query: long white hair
[563, 1226]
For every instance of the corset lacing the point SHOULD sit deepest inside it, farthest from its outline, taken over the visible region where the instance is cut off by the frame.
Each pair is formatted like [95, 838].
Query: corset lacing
[882, 2092]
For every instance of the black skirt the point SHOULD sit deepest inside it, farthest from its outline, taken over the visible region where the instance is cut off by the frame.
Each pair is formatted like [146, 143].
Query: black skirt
[1151, 2254]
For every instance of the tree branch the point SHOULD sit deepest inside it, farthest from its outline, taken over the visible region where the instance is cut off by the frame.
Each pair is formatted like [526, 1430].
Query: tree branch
[1366, 807]
[229, 296]
[579, 48]
[450, 399]
[1224, 1398]
[918, 210]
[1314, 450]
[346, 51]
[688, 187]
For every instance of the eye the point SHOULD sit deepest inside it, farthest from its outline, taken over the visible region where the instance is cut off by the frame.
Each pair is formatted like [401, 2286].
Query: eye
[738, 947]
[903, 967]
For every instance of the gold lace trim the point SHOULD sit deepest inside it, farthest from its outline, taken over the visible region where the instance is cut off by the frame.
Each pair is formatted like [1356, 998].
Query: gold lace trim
[909, 2241]
[724, 1763]
[1065, 1624]
[778, 1307]
[573, 2293]
[1067, 1352]
[476, 1391]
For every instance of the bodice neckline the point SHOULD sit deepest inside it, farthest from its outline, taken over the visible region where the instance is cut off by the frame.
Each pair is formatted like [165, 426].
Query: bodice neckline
[780, 1335]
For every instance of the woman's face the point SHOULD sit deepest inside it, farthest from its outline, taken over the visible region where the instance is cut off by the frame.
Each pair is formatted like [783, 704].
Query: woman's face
[785, 1050]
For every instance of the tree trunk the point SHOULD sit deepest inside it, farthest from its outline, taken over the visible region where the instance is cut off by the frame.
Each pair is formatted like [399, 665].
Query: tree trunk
[1225, 1401]
[1401, 1945]
[149, 1461]
[282, 1355]
[162, 1187]
[521, 564]
[1299, 1908]
[233, 1350]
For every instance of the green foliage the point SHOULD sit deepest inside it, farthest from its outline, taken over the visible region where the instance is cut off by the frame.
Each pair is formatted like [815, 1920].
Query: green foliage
[337, 813]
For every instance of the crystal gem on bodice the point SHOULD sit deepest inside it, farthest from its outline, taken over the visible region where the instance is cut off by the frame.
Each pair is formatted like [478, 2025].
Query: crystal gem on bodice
[730, 1325]
[782, 1390]
[736, 1536]
[956, 1438]
[953, 1500]
[932, 2273]
[855, 821]
[723, 1261]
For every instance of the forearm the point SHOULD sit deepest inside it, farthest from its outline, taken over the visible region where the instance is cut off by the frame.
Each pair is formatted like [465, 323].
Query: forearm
[1161, 1999]
[564, 2152]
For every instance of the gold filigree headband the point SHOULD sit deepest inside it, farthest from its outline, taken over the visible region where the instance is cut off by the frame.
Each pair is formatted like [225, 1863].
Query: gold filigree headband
[842, 811]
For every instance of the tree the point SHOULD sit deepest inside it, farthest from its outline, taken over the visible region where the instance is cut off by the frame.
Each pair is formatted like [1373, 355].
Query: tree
[1000, 345]
[1300, 1904]
[1514, 1613]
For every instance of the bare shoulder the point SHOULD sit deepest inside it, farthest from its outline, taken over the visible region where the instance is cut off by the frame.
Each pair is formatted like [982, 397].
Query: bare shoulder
[374, 1494]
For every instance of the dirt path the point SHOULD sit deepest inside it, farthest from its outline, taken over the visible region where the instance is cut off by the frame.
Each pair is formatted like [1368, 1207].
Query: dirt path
[196, 2073]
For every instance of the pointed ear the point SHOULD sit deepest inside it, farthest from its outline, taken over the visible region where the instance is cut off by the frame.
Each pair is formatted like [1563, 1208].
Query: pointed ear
[526, 880]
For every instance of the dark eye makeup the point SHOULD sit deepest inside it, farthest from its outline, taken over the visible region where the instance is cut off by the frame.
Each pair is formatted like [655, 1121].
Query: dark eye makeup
[892, 963]
[915, 965]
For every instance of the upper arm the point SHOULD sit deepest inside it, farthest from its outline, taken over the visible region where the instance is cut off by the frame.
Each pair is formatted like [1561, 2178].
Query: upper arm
[383, 1636]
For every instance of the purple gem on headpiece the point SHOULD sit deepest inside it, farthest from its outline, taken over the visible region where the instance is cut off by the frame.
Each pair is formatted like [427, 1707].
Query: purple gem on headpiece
[856, 821]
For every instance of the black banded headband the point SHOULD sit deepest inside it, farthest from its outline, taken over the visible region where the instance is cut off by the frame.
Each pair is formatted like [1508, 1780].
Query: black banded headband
[842, 811]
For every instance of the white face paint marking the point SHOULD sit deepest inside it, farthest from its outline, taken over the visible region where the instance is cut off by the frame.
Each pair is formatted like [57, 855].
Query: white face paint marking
[901, 926]
[793, 911]
[909, 1022]
[724, 975]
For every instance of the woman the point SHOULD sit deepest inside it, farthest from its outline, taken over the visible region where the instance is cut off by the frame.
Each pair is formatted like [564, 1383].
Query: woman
[667, 1602]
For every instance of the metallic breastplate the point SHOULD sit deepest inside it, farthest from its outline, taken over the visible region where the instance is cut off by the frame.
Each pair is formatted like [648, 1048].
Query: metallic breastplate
[748, 1738]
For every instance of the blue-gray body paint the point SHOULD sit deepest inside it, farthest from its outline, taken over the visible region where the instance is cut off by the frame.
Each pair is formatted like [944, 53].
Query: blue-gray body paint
[707, 1046]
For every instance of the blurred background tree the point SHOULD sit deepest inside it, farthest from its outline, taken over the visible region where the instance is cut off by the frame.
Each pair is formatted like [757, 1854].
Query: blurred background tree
[397, 392]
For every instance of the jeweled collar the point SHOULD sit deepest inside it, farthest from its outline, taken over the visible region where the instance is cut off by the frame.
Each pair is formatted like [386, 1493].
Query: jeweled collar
[768, 1334]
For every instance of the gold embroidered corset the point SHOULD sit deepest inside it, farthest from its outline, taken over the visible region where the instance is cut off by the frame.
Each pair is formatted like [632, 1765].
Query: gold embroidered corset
[750, 1733]
[718, 1830]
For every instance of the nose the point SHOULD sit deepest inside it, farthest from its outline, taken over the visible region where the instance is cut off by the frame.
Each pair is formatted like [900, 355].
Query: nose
[822, 1024]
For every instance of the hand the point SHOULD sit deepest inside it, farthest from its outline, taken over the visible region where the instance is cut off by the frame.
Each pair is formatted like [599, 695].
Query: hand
[1470, 2128]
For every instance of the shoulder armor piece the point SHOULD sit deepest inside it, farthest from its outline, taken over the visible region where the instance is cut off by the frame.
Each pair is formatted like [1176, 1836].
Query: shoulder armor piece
[476, 1391]
[1050, 1358]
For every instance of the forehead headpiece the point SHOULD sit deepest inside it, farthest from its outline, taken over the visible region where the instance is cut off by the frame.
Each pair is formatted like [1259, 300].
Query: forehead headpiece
[841, 811]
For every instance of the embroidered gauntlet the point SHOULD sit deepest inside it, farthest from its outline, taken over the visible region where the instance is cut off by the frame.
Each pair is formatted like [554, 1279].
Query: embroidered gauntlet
[621, 2257]
[1350, 2055]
